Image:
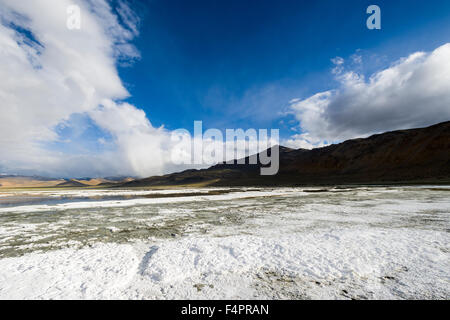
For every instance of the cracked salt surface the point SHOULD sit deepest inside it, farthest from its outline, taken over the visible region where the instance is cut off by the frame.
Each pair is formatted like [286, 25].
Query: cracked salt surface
[355, 243]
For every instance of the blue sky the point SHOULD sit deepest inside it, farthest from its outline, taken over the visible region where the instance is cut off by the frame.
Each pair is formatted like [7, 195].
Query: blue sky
[238, 63]
[103, 99]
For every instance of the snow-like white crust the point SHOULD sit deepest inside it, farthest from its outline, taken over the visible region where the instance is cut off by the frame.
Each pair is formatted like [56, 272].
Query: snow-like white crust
[375, 243]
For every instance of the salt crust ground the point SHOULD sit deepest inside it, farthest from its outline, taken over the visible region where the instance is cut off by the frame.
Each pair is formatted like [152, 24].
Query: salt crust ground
[335, 261]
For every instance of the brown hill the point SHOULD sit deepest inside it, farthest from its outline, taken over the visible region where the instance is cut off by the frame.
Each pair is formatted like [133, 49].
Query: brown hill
[71, 184]
[7, 182]
[403, 156]
[16, 181]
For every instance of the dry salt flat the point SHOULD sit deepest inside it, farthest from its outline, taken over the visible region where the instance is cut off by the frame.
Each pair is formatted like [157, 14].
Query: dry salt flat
[283, 243]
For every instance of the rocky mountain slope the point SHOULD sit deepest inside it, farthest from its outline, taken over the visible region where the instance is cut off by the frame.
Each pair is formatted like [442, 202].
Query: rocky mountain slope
[403, 156]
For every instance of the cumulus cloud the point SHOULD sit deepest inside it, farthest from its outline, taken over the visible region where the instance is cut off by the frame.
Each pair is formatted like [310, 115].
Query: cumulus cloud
[412, 92]
[303, 141]
[57, 83]
[49, 73]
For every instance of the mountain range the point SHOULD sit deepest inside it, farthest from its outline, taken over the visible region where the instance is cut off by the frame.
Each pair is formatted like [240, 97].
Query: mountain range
[399, 157]
[18, 181]
[413, 156]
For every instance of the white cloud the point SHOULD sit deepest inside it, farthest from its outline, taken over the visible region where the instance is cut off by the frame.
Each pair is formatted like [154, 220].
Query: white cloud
[56, 79]
[338, 60]
[303, 141]
[141, 148]
[57, 72]
[129, 17]
[413, 92]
